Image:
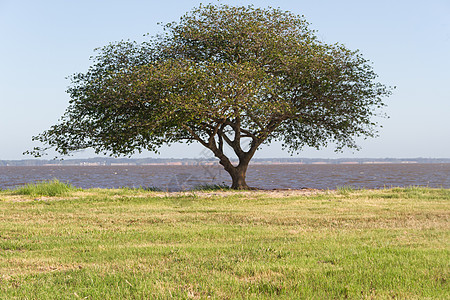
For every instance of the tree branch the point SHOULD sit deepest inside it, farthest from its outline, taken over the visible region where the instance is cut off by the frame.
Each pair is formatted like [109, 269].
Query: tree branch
[226, 138]
[196, 136]
[248, 133]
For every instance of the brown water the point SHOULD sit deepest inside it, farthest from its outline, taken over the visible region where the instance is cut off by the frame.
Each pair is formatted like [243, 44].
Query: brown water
[261, 176]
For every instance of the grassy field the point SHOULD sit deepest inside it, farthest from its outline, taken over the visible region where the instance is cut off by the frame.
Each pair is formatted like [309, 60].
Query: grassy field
[59, 242]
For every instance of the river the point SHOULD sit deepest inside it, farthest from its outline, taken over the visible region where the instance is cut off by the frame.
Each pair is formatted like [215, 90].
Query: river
[270, 176]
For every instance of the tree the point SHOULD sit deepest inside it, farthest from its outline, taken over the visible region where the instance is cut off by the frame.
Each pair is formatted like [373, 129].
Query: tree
[222, 75]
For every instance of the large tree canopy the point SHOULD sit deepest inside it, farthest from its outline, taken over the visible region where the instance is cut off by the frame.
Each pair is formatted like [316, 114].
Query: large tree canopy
[222, 75]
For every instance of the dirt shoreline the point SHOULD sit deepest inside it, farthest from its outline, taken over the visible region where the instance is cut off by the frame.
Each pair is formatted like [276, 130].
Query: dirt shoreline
[275, 193]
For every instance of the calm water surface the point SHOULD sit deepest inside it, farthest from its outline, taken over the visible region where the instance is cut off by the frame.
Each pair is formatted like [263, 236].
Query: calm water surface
[262, 176]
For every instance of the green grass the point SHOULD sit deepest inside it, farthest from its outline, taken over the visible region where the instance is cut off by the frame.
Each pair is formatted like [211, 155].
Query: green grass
[212, 187]
[136, 244]
[346, 189]
[50, 188]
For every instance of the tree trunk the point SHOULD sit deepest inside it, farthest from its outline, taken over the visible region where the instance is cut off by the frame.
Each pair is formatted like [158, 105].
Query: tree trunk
[238, 178]
[237, 173]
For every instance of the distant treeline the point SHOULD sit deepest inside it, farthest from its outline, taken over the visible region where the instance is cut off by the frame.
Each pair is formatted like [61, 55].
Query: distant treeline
[202, 160]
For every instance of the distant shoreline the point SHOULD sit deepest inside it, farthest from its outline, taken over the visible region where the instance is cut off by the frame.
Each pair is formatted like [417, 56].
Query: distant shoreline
[100, 161]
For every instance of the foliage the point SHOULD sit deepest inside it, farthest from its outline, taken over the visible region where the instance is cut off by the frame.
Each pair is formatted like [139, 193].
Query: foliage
[222, 75]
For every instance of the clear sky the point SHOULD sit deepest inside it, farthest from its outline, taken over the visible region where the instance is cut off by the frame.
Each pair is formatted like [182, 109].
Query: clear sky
[43, 42]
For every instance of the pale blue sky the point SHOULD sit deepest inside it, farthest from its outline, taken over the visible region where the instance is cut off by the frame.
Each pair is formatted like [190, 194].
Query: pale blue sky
[43, 42]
